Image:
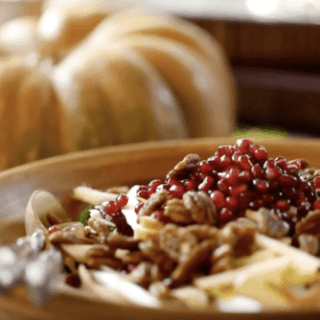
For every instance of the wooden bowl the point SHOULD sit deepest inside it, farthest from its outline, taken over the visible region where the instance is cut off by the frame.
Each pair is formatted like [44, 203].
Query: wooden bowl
[106, 167]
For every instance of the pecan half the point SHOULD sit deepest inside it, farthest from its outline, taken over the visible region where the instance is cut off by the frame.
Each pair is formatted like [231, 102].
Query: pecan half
[176, 243]
[155, 200]
[201, 207]
[309, 224]
[309, 243]
[268, 223]
[184, 167]
[240, 235]
[177, 212]
[192, 263]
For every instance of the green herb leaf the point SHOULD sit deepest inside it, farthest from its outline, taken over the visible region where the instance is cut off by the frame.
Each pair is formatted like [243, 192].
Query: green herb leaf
[85, 216]
[112, 229]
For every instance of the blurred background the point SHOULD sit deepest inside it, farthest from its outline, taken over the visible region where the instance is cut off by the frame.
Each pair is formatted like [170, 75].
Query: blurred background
[78, 75]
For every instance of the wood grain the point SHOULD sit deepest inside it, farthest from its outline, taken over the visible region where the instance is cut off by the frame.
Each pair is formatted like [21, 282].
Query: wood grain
[102, 168]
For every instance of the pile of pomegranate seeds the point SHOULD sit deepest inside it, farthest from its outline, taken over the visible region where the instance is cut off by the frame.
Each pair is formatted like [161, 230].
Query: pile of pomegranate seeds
[242, 177]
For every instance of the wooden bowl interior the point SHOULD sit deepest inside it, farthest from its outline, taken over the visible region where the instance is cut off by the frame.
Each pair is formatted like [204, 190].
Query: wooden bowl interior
[121, 165]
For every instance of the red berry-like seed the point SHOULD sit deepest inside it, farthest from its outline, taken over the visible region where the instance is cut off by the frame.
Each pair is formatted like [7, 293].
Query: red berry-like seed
[316, 183]
[292, 169]
[236, 155]
[218, 199]
[205, 167]
[231, 203]
[281, 162]
[257, 172]
[316, 205]
[272, 173]
[162, 187]
[261, 154]
[207, 184]
[143, 194]
[245, 176]
[244, 163]
[225, 150]
[214, 162]
[273, 185]
[304, 209]
[138, 207]
[233, 177]
[270, 163]
[300, 201]
[283, 205]
[225, 161]
[261, 185]
[176, 190]
[301, 163]
[153, 185]
[112, 208]
[53, 229]
[121, 200]
[222, 186]
[257, 204]
[225, 215]
[237, 190]
[268, 199]
[288, 181]
[243, 145]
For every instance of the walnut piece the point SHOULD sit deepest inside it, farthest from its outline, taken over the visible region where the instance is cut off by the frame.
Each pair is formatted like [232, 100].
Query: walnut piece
[177, 212]
[268, 223]
[155, 200]
[309, 243]
[184, 166]
[309, 224]
[240, 235]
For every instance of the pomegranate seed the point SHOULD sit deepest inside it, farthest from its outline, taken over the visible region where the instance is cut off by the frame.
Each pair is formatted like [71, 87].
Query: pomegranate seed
[257, 172]
[121, 200]
[261, 154]
[292, 170]
[176, 190]
[272, 173]
[245, 176]
[225, 161]
[143, 194]
[304, 209]
[222, 186]
[112, 208]
[244, 162]
[283, 205]
[300, 201]
[288, 181]
[160, 188]
[218, 199]
[261, 185]
[316, 183]
[191, 184]
[233, 177]
[153, 185]
[236, 155]
[73, 280]
[273, 185]
[270, 163]
[316, 205]
[231, 203]
[225, 215]
[138, 207]
[225, 150]
[254, 147]
[301, 163]
[207, 184]
[289, 193]
[268, 199]
[243, 145]
[257, 204]
[215, 162]
[205, 167]
[281, 162]
[53, 229]
[236, 190]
